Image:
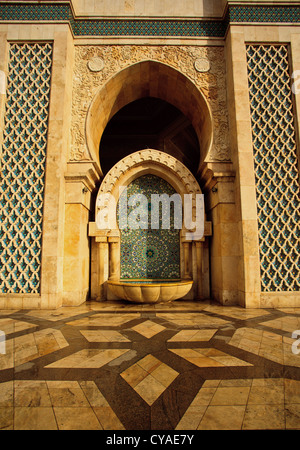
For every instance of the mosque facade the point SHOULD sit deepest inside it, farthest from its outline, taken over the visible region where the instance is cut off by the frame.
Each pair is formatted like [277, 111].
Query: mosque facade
[194, 99]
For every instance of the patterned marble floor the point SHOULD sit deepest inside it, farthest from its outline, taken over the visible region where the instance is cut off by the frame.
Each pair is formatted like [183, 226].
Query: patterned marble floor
[178, 366]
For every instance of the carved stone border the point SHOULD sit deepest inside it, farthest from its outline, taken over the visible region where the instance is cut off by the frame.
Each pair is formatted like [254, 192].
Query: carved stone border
[169, 163]
[166, 60]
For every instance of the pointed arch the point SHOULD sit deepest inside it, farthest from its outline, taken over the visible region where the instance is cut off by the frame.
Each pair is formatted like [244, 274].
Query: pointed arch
[149, 79]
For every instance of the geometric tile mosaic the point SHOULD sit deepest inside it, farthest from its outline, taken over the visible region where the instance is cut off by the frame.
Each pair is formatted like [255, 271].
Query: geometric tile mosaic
[112, 27]
[264, 14]
[147, 252]
[276, 166]
[23, 167]
[204, 370]
[155, 27]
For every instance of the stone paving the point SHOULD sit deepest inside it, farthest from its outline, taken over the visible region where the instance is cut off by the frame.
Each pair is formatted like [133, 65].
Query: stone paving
[176, 366]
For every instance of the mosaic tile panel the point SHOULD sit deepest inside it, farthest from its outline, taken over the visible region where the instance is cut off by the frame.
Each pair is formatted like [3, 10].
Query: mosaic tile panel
[23, 167]
[60, 11]
[276, 166]
[148, 253]
[13, 11]
[149, 28]
[266, 14]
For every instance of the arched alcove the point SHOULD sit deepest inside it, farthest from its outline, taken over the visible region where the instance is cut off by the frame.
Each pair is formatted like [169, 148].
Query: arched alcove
[149, 79]
[106, 243]
[149, 122]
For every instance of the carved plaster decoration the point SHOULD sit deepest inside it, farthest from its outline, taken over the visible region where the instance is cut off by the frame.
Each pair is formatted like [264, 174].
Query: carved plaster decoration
[212, 84]
[96, 64]
[170, 163]
[202, 65]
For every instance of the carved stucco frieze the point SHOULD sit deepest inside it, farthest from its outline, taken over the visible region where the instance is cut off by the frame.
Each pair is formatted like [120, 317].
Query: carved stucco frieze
[148, 155]
[118, 57]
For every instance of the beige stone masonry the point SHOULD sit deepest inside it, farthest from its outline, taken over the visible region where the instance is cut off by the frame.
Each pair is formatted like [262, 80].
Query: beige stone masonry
[154, 8]
[80, 179]
[217, 103]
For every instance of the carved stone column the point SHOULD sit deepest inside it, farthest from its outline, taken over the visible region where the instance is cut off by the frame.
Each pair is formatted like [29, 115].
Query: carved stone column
[186, 255]
[80, 180]
[199, 257]
[100, 271]
[114, 258]
[99, 262]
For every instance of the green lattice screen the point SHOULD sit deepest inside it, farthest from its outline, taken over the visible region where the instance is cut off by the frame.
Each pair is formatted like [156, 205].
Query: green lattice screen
[23, 166]
[276, 166]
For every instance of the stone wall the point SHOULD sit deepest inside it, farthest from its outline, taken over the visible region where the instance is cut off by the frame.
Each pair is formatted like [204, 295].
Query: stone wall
[204, 66]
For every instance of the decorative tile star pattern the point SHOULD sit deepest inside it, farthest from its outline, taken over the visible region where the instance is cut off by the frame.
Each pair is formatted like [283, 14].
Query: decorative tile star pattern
[177, 366]
[148, 252]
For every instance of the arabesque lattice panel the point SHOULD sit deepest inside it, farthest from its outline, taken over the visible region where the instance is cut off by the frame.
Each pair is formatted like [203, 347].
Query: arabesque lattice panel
[23, 166]
[276, 166]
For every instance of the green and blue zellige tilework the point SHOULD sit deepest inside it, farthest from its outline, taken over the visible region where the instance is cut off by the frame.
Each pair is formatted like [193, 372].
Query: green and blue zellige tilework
[38, 11]
[187, 28]
[276, 166]
[190, 27]
[23, 167]
[264, 14]
[148, 253]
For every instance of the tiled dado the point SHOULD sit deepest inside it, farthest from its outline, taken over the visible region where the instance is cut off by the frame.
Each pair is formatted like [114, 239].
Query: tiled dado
[176, 366]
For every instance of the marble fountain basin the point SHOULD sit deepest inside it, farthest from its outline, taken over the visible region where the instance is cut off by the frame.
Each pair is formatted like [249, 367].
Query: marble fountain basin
[150, 291]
